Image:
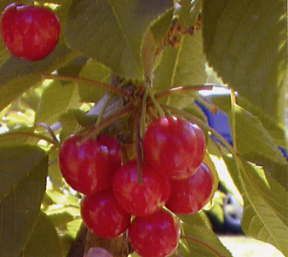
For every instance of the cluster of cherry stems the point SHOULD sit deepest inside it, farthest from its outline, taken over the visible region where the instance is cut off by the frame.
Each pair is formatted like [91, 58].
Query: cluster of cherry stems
[173, 175]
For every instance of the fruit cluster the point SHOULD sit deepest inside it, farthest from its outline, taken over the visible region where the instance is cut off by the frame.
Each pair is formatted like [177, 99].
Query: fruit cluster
[29, 32]
[118, 198]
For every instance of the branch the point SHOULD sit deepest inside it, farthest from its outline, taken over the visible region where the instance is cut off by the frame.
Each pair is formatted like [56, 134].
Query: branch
[182, 89]
[106, 86]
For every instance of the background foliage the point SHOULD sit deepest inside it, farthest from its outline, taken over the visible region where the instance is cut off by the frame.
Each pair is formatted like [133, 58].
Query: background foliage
[244, 43]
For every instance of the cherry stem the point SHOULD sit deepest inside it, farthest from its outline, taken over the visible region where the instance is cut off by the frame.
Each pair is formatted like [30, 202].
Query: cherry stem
[106, 86]
[30, 134]
[182, 89]
[233, 112]
[50, 131]
[156, 104]
[192, 239]
[143, 113]
[139, 149]
[106, 122]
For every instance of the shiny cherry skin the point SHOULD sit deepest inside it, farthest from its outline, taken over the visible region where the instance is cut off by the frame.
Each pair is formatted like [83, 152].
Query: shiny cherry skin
[189, 195]
[156, 235]
[103, 216]
[29, 32]
[136, 197]
[174, 146]
[89, 166]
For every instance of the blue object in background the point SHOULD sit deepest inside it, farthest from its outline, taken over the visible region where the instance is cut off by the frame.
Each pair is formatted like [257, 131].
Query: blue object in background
[284, 152]
[219, 121]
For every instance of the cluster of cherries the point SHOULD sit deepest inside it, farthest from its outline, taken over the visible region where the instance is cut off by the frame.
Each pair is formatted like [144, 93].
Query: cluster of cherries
[117, 198]
[29, 32]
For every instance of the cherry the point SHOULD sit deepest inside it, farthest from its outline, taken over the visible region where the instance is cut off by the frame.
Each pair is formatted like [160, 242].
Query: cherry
[29, 32]
[103, 216]
[189, 195]
[98, 252]
[174, 146]
[89, 166]
[136, 197]
[156, 235]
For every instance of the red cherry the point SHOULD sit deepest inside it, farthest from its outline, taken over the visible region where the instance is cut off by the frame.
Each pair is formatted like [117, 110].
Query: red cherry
[156, 235]
[140, 198]
[89, 166]
[174, 146]
[29, 32]
[103, 216]
[189, 195]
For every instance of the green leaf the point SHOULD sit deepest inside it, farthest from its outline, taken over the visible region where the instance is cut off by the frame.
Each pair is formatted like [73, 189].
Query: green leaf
[22, 185]
[265, 204]
[199, 240]
[161, 26]
[246, 43]
[252, 137]
[265, 212]
[112, 31]
[56, 99]
[96, 71]
[73, 120]
[73, 227]
[16, 75]
[61, 216]
[184, 65]
[17, 137]
[54, 170]
[73, 67]
[44, 241]
[276, 170]
[188, 12]
[69, 124]
[276, 130]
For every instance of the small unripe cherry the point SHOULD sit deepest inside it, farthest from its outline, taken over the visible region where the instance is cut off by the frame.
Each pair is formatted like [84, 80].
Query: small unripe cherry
[144, 197]
[88, 166]
[156, 235]
[174, 146]
[29, 32]
[103, 216]
[189, 195]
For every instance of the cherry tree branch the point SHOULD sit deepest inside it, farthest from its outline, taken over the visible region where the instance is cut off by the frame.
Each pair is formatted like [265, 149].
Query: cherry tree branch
[106, 86]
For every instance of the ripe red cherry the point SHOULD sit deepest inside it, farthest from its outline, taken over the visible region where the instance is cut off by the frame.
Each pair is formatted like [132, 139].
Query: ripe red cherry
[174, 146]
[89, 166]
[156, 235]
[140, 198]
[29, 32]
[103, 216]
[189, 195]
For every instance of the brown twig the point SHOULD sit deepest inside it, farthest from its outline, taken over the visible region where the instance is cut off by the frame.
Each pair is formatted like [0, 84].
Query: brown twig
[106, 86]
